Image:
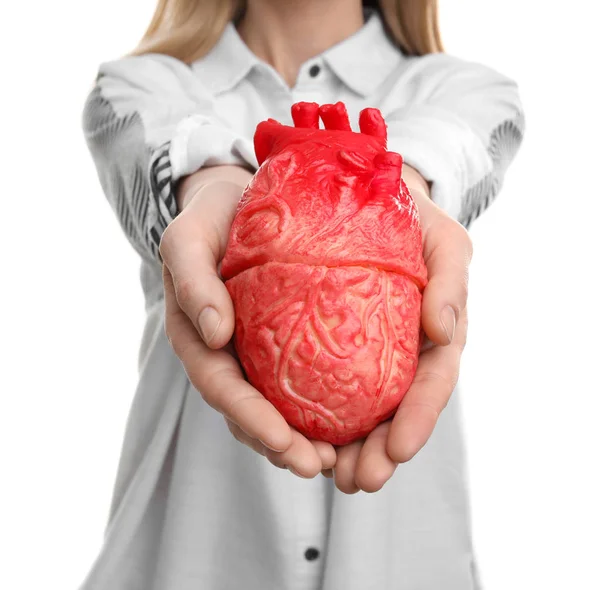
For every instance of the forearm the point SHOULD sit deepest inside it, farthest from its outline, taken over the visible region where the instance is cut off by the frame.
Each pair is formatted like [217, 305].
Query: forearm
[460, 125]
[149, 123]
[233, 178]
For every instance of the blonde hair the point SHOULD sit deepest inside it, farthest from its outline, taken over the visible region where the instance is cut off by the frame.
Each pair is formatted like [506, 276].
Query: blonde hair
[188, 29]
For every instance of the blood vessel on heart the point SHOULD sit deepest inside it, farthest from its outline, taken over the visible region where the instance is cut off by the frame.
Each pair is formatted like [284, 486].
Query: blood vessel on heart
[325, 268]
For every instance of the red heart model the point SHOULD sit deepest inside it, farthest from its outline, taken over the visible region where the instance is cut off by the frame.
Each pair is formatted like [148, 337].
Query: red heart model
[325, 268]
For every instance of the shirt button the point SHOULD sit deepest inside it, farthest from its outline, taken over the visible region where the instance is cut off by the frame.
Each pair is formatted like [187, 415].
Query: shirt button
[314, 71]
[311, 554]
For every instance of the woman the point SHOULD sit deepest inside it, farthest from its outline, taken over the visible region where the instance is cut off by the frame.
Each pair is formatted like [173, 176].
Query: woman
[170, 130]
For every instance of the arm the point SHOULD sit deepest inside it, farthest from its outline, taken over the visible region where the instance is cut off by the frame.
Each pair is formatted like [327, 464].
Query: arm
[414, 181]
[148, 122]
[460, 127]
[458, 131]
[229, 178]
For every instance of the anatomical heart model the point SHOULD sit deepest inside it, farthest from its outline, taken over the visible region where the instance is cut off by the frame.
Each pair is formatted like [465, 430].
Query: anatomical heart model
[325, 268]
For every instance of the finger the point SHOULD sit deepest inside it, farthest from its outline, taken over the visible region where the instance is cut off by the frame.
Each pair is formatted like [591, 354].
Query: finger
[447, 251]
[218, 378]
[345, 467]
[243, 438]
[374, 467]
[328, 473]
[419, 410]
[326, 452]
[301, 458]
[192, 247]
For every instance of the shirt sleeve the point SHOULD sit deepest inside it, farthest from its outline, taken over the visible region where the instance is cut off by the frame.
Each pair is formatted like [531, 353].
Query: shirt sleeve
[148, 121]
[460, 128]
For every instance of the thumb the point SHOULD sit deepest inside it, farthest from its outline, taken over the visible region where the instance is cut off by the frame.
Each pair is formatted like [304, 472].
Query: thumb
[192, 247]
[447, 251]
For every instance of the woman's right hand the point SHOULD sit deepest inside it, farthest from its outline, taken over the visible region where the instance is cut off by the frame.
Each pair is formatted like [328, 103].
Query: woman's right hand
[200, 319]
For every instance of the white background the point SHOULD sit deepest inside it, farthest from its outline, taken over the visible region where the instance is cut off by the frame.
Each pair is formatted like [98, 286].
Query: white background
[72, 310]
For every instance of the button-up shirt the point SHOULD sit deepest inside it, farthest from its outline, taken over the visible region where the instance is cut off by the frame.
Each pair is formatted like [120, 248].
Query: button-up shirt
[192, 508]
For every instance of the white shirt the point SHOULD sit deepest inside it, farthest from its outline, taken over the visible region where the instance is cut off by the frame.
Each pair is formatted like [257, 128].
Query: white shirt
[193, 508]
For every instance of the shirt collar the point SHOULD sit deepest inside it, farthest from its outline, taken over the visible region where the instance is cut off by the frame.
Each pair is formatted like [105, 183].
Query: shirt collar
[228, 62]
[362, 61]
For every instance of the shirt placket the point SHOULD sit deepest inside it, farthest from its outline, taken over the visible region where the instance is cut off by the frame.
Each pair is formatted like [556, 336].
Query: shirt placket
[314, 83]
[310, 541]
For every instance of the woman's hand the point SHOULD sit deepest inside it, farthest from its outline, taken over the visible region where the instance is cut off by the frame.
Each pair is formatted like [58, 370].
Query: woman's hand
[199, 322]
[368, 464]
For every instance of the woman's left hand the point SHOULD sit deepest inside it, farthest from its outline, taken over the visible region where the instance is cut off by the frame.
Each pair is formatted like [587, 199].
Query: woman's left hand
[369, 463]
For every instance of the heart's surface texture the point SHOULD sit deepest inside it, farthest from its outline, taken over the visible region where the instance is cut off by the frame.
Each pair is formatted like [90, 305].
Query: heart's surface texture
[325, 268]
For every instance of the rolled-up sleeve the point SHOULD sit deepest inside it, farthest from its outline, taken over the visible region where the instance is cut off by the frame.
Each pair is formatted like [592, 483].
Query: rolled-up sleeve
[460, 128]
[147, 122]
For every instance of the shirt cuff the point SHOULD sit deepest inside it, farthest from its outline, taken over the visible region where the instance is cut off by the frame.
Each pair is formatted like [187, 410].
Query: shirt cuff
[443, 150]
[199, 142]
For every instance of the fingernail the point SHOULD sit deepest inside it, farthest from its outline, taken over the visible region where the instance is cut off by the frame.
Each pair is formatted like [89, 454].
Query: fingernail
[296, 473]
[448, 319]
[262, 442]
[209, 321]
